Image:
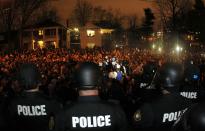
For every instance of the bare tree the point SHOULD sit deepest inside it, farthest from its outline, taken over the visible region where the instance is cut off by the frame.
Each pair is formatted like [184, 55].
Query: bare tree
[19, 12]
[132, 21]
[46, 13]
[83, 12]
[100, 14]
[26, 9]
[132, 32]
[169, 11]
[7, 14]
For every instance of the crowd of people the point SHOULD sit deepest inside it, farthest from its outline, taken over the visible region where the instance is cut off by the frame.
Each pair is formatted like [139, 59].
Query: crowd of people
[125, 73]
[55, 64]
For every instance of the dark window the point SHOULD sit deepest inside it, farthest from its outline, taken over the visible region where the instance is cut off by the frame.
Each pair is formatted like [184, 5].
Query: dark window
[27, 34]
[50, 32]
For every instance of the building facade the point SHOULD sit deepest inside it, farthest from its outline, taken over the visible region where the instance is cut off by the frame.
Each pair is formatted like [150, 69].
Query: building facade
[89, 36]
[50, 35]
[47, 34]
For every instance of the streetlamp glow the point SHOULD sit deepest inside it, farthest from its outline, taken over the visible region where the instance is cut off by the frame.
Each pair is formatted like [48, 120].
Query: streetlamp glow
[153, 46]
[160, 49]
[177, 48]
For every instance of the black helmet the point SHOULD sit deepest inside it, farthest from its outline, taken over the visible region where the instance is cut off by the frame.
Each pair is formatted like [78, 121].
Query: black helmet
[149, 71]
[88, 75]
[29, 76]
[192, 120]
[191, 73]
[170, 75]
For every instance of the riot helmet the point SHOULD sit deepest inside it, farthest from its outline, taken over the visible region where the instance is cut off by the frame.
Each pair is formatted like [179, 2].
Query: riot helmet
[88, 75]
[29, 76]
[170, 76]
[149, 70]
[191, 73]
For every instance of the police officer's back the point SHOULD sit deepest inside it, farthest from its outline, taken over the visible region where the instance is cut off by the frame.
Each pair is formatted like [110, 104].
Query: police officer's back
[89, 112]
[192, 119]
[3, 120]
[161, 113]
[31, 111]
[192, 88]
[145, 88]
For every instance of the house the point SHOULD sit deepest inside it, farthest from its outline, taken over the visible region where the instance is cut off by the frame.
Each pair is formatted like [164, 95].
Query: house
[89, 36]
[47, 34]
[8, 40]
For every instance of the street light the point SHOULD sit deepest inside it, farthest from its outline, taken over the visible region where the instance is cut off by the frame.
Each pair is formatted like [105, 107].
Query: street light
[153, 46]
[160, 49]
[178, 48]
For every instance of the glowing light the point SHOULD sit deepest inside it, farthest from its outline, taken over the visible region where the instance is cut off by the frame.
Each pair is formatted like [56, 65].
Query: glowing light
[160, 49]
[106, 31]
[54, 43]
[40, 32]
[101, 32]
[153, 46]
[91, 45]
[90, 33]
[41, 44]
[33, 41]
[76, 29]
[178, 48]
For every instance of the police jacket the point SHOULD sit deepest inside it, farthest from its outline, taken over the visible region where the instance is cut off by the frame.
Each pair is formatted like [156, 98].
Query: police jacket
[3, 120]
[91, 113]
[195, 93]
[192, 119]
[32, 111]
[160, 113]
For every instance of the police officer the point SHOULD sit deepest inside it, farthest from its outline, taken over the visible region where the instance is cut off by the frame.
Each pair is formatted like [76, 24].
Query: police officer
[32, 111]
[161, 113]
[192, 88]
[192, 119]
[90, 112]
[145, 87]
[3, 121]
[149, 71]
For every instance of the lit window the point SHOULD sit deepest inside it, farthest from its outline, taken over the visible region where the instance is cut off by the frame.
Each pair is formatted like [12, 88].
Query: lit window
[40, 32]
[91, 45]
[106, 31]
[41, 44]
[90, 33]
[76, 29]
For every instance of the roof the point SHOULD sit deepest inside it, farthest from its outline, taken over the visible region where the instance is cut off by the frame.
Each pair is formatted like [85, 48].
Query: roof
[105, 25]
[47, 23]
[91, 25]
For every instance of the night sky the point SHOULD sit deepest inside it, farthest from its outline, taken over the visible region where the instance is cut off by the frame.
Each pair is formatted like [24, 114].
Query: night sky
[65, 7]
